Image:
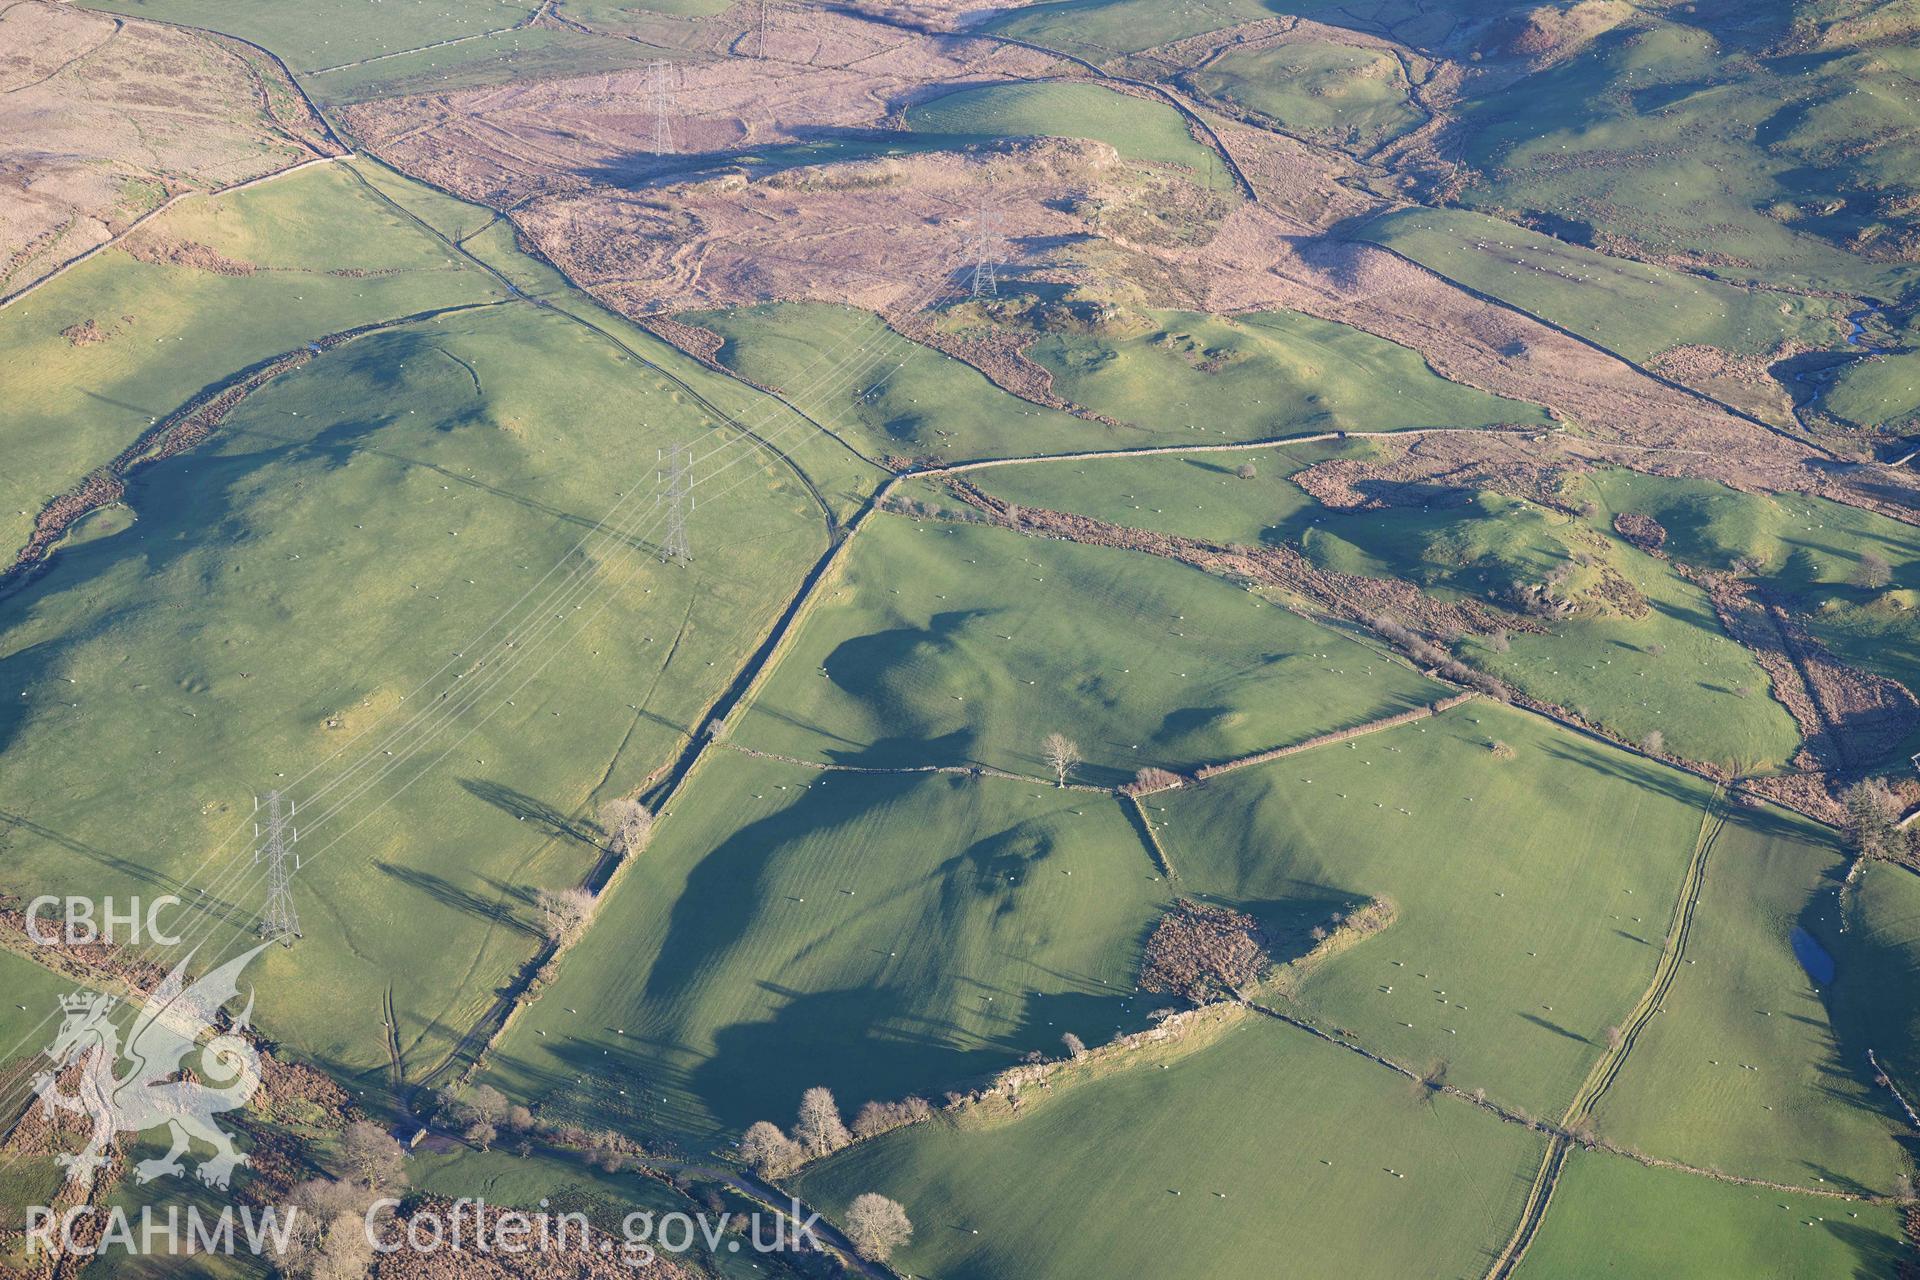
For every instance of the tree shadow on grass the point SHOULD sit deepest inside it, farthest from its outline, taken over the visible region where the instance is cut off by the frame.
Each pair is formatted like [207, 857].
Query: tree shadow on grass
[447, 893]
[527, 809]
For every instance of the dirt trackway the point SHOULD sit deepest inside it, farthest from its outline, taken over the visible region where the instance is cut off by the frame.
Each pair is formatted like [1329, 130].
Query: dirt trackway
[1608, 1068]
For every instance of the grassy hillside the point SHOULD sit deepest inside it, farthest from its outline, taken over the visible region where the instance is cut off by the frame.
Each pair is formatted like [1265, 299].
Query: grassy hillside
[1335, 93]
[334, 562]
[1876, 1007]
[1612, 1217]
[1100, 29]
[1272, 373]
[1665, 665]
[1266, 1143]
[1807, 549]
[1533, 891]
[1631, 308]
[325, 34]
[878, 935]
[292, 261]
[1774, 143]
[1141, 129]
[1741, 1070]
[945, 644]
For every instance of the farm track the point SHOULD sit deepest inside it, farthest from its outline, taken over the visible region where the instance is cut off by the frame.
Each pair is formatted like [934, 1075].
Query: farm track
[1604, 1072]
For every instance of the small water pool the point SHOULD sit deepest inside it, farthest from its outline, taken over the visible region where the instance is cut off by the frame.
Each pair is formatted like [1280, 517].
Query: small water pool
[1812, 956]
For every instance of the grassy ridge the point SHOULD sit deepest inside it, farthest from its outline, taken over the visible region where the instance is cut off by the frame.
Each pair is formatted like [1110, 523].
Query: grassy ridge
[946, 644]
[170, 330]
[1138, 128]
[347, 535]
[1262, 375]
[1343, 94]
[1631, 308]
[879, 935]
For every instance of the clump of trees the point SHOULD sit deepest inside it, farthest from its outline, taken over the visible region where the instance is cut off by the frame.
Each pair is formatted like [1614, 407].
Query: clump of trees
[1204, 952]
[1873, 822]
[818, 1130]
[329, 1236]
[877, 1118]
[770, 1153]
[1153, 778]
[877, 1226]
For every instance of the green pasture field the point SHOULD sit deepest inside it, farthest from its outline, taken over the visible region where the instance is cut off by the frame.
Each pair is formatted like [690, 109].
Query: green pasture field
[309, 37]
[908, 399]
[1102, 29]
[478, 62]
[1808, 549]
[1755, 140]
[1674, 671]
[1198, 495]
[1740, 1070]
[880, 935]
[951, 644]
[330, 564]
[1612, 1217]
[1534, 891]
[175, 330]
[1877, 1003]
[1264, 1144]
[1336, 92]
[1883, 391]
[1138, 128]
[1633, 309]
[1262, 375]
[1481, 545]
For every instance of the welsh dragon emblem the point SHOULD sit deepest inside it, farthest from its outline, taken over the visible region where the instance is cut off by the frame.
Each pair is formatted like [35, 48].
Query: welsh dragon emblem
[151, 1093]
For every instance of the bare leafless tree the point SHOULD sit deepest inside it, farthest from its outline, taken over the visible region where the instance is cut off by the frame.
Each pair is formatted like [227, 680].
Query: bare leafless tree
[565, 913]
[370, 1157]
[877, 1226]
[770, 1152]
[819, 1129]
[877, 1118]
[1062, 754]
[628, 824]
[1872, 572]
[1076, 1047]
